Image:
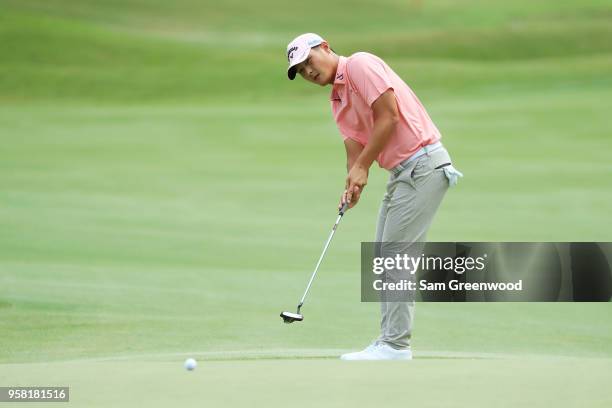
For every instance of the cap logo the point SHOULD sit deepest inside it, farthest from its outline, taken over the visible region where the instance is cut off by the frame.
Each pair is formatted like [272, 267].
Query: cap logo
[290, 53]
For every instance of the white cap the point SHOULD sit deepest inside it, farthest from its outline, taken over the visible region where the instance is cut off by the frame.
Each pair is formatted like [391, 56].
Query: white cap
[298, 50]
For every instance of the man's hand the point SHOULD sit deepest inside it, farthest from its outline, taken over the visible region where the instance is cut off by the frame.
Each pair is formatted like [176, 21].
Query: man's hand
[355, 183]
[354, 200]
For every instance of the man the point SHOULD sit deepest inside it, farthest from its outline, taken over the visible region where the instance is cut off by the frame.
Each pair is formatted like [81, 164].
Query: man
[381, 119]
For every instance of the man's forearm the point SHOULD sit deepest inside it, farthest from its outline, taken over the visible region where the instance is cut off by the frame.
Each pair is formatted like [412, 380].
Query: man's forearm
[383, 129]
[353, 150]
[350, 161]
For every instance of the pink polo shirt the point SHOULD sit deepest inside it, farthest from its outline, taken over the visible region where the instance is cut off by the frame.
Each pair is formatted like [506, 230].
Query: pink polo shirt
[360, 80]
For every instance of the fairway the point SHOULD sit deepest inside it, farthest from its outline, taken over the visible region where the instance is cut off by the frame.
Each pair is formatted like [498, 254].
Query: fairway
[165, 192]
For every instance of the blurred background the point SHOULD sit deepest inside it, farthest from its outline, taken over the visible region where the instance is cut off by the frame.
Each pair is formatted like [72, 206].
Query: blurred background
[165, 188]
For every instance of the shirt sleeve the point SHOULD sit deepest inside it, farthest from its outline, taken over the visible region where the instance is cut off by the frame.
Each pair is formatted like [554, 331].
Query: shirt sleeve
[368, 76]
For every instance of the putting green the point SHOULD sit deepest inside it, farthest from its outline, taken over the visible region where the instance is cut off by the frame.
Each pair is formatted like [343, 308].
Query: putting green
[432, 382]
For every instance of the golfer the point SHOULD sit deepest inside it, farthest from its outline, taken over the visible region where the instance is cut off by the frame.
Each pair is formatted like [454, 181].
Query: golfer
[381, 119]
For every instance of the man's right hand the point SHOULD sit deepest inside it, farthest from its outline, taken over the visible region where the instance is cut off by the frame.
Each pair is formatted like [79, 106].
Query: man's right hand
[354, 199]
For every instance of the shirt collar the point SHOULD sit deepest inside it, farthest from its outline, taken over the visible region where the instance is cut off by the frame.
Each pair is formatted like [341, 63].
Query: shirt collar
[340, 72]
[340, 75]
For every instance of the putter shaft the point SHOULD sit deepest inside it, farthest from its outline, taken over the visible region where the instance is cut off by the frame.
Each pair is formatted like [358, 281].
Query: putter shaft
[331, 235]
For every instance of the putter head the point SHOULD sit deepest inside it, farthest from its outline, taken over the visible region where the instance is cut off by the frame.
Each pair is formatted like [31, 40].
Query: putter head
[289, 317]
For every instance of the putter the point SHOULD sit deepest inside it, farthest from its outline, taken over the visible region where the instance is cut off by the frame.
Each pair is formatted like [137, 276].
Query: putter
[289, 317]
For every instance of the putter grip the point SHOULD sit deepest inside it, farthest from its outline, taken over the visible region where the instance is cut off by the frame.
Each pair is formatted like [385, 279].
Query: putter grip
[343, 209]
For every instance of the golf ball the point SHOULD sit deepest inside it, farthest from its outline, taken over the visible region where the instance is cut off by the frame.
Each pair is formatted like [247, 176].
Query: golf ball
[190, 364]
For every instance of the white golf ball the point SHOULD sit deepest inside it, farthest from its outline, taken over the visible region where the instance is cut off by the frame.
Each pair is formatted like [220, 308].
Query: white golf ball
[190, 364]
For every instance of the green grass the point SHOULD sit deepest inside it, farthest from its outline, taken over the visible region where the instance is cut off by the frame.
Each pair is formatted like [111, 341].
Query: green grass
[205, 51]
[303, 383]
[166, 191]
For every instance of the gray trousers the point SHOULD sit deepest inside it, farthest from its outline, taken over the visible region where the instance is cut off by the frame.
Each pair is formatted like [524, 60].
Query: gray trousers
[407, 210]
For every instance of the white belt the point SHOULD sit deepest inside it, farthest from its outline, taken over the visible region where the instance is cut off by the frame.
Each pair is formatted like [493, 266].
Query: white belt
[423, 150]
[452, 174]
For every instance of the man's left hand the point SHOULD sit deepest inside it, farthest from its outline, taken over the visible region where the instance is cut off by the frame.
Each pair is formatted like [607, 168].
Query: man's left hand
[355, 183]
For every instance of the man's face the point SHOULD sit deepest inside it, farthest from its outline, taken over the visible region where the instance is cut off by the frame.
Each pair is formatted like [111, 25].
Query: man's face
[318, 67]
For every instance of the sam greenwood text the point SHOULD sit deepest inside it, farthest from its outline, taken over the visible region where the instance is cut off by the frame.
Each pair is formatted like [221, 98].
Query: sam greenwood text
[406, 285]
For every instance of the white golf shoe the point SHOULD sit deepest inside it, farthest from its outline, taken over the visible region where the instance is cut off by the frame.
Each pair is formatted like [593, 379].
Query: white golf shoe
[378, 351]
